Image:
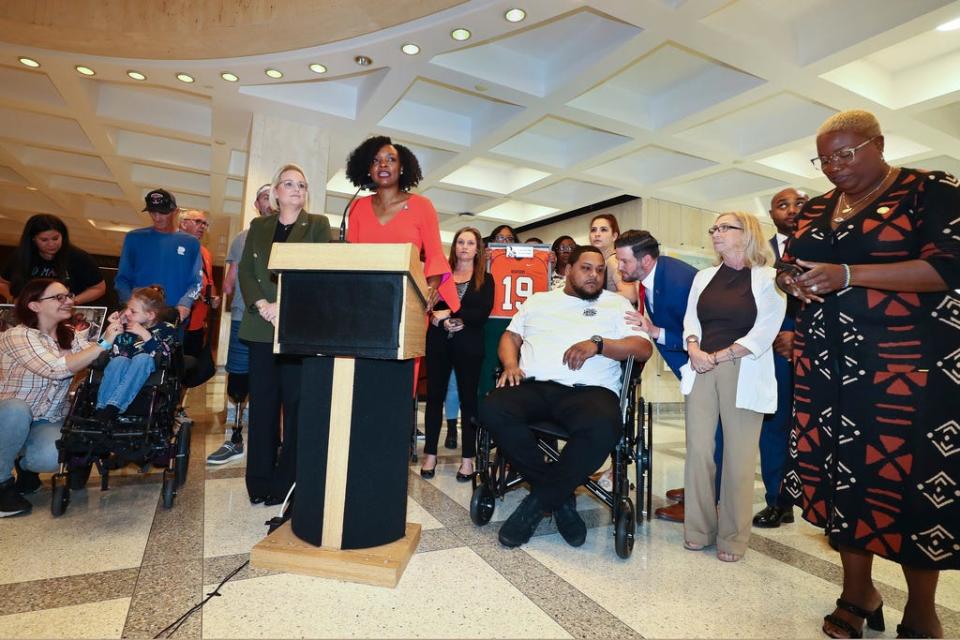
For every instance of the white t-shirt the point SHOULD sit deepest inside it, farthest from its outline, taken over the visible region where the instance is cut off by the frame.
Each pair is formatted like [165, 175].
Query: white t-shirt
[551, 322]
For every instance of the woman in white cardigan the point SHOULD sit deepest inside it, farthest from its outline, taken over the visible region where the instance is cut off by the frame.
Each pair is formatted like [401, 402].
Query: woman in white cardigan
[733, 315]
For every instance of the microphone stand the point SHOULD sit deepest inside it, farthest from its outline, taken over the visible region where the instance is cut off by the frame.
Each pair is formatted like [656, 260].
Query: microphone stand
[343, 219]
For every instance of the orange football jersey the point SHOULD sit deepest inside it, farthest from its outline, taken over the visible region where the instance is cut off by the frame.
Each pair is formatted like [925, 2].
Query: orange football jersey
[516, 278]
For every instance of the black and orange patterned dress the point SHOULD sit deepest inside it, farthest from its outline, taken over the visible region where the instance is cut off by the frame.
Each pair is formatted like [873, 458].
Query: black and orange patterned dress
[875, 448]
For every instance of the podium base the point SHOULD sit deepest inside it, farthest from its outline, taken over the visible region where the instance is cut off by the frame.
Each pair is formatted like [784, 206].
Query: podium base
[380, 566]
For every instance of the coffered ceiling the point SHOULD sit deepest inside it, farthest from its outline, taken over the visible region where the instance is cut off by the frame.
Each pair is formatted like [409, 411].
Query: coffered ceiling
[711, 103]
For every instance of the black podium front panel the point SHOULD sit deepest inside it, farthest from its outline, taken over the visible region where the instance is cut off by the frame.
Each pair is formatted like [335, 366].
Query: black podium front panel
[375, 509]
[359, 315]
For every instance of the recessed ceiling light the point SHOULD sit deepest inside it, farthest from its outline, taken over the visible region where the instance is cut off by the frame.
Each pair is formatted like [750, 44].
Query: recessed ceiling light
[273, 73]
[32, 189]
[410, 49]
[136, 75]
[28, 62]
[515, 15]
[185, 77]
[953, 25]
[87, 71]
[318, 68]
[229, 77]
[363, 61]
[460, 34]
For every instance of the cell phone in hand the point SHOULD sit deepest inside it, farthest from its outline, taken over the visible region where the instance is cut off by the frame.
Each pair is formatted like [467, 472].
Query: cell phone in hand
[792, 269]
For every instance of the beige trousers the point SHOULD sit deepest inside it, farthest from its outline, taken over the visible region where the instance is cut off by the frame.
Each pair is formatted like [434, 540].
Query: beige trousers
[714, 395]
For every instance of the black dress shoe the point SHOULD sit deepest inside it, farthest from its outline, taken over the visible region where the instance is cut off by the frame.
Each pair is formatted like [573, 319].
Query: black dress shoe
[465, 477]
[258, 499]
[521, 524]
[272, 500]
[569, 523]
[429, 473]
[773, 517]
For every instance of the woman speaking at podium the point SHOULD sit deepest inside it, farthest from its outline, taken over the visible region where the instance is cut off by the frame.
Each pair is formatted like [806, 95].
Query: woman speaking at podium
[394, 215]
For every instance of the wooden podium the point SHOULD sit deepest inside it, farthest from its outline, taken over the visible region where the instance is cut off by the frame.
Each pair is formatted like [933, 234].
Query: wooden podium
[356, 312]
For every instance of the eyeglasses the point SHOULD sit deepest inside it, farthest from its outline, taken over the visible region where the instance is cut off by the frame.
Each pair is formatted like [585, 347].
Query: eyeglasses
[60, 297]
[293, 184]
[842, 157]
[565, 249]
[200, 222]
[504, 239]
[722, 228]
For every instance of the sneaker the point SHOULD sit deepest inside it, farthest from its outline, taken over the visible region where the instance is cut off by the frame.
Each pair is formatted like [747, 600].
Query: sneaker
[228, 451]
[521, 524]
[569, 523]
[27, 481]
[11, 502]
[421, 435]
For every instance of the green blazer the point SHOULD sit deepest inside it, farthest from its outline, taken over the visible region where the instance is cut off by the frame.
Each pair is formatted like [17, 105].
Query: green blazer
[256, 280]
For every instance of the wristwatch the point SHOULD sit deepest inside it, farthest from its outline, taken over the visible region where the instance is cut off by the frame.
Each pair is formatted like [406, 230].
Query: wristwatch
[597, 340]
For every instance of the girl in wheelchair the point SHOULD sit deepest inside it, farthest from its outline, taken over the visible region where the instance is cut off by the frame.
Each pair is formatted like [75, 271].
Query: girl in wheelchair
[132, 355]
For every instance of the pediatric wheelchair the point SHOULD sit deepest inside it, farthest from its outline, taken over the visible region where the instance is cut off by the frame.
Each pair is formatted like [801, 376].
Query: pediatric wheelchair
[494, 478]
[146, 434]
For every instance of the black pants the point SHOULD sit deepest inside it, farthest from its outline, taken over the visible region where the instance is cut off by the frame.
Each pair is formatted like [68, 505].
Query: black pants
[274, 386]
[591, 415]
[464, 354]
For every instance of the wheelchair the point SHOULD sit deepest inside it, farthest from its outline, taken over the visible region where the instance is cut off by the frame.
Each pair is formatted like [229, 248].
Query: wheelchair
[493, 479]
[146, 434]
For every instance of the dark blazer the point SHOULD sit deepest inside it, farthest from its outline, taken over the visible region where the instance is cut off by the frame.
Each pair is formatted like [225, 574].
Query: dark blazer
[793, 303]
[256, 280]
[671, 288]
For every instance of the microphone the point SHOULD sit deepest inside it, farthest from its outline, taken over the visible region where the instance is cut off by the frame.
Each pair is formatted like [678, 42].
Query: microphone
[368, 186]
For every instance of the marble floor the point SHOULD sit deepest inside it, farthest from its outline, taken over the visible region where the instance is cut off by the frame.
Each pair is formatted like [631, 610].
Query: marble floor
[119, 565]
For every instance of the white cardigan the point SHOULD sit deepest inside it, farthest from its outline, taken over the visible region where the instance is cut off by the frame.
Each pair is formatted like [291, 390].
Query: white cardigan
[756, 384]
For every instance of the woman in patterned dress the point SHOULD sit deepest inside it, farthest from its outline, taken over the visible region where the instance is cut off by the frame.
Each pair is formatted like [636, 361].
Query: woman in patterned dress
[877, 356]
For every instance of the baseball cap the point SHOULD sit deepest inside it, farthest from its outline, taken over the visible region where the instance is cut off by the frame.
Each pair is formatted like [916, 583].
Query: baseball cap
[160, 201]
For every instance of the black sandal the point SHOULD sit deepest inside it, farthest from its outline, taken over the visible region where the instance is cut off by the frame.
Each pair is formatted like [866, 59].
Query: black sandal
[904, 631]
[874, 619]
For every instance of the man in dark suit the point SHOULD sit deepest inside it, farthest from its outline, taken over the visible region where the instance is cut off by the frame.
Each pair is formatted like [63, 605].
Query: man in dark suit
[785, 206]
[666, 286]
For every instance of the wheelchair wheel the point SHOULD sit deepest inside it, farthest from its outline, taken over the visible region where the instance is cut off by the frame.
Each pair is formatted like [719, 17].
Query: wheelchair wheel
[482, 505]
[61, 495]
[182, 460]
[169, 488]
[624, 529]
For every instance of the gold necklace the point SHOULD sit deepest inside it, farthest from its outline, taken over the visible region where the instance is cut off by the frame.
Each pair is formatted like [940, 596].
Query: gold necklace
[845, 208]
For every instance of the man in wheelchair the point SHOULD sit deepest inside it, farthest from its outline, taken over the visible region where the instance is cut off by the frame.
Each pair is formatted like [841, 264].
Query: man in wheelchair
[565, 347]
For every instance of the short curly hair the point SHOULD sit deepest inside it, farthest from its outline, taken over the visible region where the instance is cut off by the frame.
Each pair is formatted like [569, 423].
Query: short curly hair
[855, 120]
[360, 159]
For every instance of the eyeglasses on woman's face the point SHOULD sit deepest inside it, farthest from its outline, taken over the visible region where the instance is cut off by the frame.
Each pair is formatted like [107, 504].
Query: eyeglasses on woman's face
[503, 238]
[841, 158]
[59, 297]
[722, 228]
[290, 185]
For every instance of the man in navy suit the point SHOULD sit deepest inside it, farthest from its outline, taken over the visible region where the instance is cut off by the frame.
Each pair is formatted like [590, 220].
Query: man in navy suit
[785, 206]
[666, 286]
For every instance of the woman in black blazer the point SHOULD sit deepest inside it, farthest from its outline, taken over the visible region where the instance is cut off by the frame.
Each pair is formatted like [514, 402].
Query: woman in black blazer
[455, 341]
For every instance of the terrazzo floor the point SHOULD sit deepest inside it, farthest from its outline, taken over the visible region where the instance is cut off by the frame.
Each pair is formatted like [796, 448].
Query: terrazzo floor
[119, 565]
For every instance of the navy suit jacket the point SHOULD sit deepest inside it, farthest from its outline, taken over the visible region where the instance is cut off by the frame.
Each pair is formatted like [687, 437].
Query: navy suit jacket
[671, 288]
[793, 304]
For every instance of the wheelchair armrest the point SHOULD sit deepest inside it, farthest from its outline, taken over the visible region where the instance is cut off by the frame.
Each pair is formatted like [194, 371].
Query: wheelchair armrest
[101, 362]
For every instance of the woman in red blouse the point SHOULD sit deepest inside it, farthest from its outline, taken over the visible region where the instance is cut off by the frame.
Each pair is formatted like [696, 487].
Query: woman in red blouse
[394, 215]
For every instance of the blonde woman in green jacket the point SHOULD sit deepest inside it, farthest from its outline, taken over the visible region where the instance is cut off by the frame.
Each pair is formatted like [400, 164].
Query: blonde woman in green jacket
[274, 380]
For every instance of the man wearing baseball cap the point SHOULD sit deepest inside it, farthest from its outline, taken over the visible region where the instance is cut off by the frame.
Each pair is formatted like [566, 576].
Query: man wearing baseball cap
[238, 363]
[160, 254]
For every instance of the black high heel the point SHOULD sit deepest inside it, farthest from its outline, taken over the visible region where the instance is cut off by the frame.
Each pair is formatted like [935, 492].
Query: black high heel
[428, 473]
[904, 631]
[874, 619]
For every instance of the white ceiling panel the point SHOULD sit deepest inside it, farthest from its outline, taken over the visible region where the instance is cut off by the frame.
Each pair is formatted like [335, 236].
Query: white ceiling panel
[567, 194]
[61, 161]
[85, 186]
[449, 201]
[190, 155]
[42, 129]
[30, 86]
[559, 143]
[154, 177]
[343, 97]
[724, 185]
[518, 212]
[9, 175]
[650, 165]
[163, 108]
[492, 176]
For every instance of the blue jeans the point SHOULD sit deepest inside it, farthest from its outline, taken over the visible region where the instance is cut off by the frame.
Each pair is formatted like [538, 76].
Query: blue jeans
[21, 434]
[452, 401]
[123, 378]
[238, 353]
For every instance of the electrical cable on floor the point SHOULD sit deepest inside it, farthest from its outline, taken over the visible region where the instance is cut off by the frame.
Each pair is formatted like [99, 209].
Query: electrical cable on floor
[174, 626]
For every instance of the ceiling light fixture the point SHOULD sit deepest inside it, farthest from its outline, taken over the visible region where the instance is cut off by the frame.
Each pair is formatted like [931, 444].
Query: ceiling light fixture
[28, 62]
[273, 73]
[363, 61]
[136, 75]
[410, 49]
[185, 77]
[318, 68]
[229, 77]
[953, 25]
[460, 34]
[515, 15]
[86, 71]
[32, 189]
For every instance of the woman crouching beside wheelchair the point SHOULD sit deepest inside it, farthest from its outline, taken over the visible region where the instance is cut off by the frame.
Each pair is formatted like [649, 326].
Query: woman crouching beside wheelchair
[38, 359]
